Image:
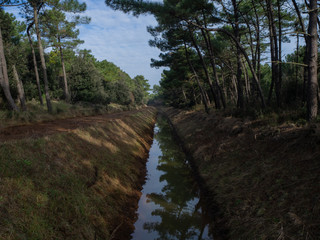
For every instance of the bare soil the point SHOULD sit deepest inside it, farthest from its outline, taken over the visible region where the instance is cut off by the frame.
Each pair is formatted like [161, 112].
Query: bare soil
[37, 130]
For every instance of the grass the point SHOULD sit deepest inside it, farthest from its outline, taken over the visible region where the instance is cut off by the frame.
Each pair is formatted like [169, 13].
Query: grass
[61, 110]
[77, 185]
[269, 115]
[264, 177]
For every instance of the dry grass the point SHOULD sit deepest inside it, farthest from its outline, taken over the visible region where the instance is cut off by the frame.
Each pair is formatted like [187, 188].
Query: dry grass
[61, 110]
[265, 179]
[76, 185]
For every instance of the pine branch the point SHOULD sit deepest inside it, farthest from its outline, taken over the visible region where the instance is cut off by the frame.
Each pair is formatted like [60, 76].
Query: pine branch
[292, 63]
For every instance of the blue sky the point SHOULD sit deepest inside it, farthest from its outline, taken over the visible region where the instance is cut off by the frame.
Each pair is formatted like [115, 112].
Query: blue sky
[123, 39]
[120, 38]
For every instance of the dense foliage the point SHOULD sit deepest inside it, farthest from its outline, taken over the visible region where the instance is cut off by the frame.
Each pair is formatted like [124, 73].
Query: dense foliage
[72, 75]
[229, 53]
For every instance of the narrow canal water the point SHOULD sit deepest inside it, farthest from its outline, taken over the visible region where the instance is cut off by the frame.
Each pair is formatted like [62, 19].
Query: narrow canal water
[170, 206]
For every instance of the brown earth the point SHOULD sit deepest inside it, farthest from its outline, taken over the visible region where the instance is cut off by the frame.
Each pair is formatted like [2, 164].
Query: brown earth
[263, 180]
[58, 126]
[76, 178]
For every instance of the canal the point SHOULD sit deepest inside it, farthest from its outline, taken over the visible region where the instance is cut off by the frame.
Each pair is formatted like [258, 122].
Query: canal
[170, 206]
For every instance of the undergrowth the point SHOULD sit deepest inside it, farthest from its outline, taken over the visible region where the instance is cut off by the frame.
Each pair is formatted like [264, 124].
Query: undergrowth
[269, 115]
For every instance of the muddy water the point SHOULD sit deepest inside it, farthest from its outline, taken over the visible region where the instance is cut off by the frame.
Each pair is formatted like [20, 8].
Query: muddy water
[170, 206]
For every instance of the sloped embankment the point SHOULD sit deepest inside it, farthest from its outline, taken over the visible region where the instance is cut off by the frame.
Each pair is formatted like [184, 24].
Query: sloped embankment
[77, 184]
[264, 180]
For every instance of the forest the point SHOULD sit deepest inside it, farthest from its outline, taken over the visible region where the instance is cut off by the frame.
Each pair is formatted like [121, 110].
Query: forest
[40, 60]
[226, 146]
[219, 54]
[229, 54]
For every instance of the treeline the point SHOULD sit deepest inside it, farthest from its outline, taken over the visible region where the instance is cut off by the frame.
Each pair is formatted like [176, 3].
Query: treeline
[61, 72]
[229, 53]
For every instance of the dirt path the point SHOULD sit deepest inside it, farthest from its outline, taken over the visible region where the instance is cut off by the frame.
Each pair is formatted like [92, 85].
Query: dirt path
[61, 125]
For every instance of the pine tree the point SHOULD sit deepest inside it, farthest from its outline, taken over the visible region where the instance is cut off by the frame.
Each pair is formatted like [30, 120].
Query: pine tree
[61, 33]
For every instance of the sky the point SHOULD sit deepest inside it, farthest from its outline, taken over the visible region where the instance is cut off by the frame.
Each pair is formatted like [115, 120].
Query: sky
[123, 39]
[120, 38]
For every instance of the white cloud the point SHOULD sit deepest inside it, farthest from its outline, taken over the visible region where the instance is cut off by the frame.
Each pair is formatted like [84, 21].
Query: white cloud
[120, 38]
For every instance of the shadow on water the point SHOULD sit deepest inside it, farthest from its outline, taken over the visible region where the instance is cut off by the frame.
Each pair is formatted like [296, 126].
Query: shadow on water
[171, 204]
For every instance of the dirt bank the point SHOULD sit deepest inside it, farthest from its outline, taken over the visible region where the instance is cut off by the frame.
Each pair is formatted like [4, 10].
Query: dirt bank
[41, 129]
[74, 179]
[264, 180]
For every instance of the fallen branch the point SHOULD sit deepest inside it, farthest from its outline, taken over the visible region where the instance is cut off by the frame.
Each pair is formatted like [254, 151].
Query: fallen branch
[115, 230]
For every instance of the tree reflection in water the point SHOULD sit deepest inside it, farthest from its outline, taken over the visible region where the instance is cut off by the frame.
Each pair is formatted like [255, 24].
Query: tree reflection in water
[180, 210]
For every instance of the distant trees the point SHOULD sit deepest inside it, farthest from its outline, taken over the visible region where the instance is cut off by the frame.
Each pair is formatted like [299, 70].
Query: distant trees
[9, 40]
[34, 58]
[36, 6]
[141, 89]
[224, 43]
[86, 82]
[4, 80]
[62, 33]
[53, 26]
[67, 73]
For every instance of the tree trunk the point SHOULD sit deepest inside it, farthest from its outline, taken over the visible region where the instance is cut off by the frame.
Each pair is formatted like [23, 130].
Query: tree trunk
[258, 50]
[65, 89]
[206, 36]
[213, 63]
[4, 80]
[258, 46]
[297, 68]
[272, 65]
[280, 52]
[318, 27]
[216, 100]
[275, 52]
[20, 88]
[207, 97]
[35, 64]
[43, 61]
[184, 95]
[243, 51]
[197, 79]
[312, 100]
[194, 94]
[246, 79]
[240, 103]
[306, 55]
[224, 90]
[263, 103]
[318, 95]
[234, 83]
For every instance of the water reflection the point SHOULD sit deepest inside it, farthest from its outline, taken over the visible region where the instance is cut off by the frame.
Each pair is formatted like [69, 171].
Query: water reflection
[170, 207]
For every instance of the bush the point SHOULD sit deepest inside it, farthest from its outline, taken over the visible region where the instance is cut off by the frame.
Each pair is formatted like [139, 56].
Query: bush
[119, 93]
[86, 83]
